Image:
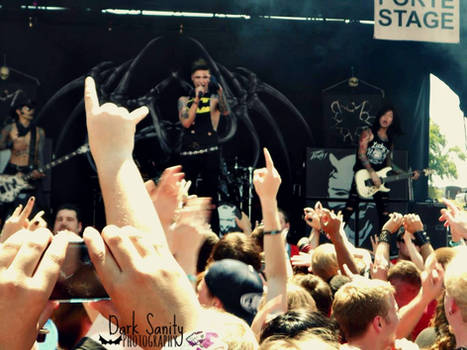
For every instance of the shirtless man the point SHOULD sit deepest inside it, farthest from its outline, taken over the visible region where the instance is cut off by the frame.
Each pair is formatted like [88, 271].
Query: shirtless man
[25, 141]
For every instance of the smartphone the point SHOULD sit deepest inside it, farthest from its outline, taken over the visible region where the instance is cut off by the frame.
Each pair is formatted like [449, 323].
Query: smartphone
[78, 281]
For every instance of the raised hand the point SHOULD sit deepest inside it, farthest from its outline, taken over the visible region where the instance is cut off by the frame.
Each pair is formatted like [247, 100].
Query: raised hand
[379, 269]
[20, 220]
[111, 129]
[330, 223]
[432, 282]
[311, 216]
[395, 221]
[302, 259]
[192, 220]
[412, 223]
[455, 219]
[29, 267]
[244, 223]
[141, 279]
[168, 193]
[267, 180]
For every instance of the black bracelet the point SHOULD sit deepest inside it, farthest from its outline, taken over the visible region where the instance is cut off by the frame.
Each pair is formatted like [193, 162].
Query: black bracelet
[272, 232]
[385, 236]
[421, 238]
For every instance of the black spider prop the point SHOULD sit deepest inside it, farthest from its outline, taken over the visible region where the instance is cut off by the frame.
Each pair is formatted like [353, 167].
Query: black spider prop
[165, 60]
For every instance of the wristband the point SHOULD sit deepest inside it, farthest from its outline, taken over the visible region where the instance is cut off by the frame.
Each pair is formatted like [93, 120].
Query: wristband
[192, 278]
[272, 232]
[421, 238]
[385, 236]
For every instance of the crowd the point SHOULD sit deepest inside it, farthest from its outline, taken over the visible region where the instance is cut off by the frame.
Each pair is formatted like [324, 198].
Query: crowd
[172, 283]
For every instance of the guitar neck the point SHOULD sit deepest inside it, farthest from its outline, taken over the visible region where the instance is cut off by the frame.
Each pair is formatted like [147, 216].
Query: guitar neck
[56, 162]
[393, 178]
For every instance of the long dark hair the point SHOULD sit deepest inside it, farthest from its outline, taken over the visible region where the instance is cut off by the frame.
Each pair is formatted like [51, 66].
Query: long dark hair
[394, 129]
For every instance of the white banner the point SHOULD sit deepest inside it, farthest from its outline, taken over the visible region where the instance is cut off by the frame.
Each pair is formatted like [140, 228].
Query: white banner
[418, 20]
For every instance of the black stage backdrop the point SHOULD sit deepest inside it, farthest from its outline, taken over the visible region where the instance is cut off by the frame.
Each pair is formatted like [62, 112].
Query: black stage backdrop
[298, 58]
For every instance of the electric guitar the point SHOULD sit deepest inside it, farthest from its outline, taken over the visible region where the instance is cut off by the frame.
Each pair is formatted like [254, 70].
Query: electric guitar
[12, 185]
[366, 188]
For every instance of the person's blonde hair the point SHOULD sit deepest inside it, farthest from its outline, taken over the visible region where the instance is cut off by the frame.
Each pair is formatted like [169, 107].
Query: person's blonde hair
[405, 271]
[299, 298]
[324, 261]
[231, 330]
[455, 280]
[356, 304]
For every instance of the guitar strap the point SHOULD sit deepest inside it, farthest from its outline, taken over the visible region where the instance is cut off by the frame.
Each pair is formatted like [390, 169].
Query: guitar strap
[32, 148]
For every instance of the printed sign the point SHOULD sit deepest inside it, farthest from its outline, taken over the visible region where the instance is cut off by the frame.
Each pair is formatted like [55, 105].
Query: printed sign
[418, 20]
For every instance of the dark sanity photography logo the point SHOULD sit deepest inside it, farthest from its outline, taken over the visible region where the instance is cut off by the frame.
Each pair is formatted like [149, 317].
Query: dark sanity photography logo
[143, 335]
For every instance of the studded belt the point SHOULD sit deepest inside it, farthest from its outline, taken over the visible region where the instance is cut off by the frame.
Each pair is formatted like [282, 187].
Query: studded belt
[199, 151]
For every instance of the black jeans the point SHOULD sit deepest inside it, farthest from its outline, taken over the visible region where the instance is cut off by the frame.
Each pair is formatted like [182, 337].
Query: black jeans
[206, 165]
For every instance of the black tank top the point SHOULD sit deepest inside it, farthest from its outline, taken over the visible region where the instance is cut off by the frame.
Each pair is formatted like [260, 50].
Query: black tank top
[377, 153]
[200, 135]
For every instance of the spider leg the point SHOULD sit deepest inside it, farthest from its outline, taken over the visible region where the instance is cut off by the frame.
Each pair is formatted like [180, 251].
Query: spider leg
[161, 135]
[122, 88]
[78, 83]
[79, 108]
[255, 104]
[266, 88]
[75, 84]
[77, 111]
[242, 112]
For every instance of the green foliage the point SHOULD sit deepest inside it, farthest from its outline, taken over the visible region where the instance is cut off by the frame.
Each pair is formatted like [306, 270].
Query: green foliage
[435, 193]
[440, 157]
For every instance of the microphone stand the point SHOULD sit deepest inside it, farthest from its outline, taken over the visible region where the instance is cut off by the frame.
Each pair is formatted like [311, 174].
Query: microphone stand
[250, 190]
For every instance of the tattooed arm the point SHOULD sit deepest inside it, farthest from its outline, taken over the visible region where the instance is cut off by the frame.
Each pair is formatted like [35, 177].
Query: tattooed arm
[365, 137]
[223, 104]
[185, 114]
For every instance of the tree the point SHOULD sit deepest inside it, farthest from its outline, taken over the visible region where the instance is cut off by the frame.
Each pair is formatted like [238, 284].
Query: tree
[440, 156]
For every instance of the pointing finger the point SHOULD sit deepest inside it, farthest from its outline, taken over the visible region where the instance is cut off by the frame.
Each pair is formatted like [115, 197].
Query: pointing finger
[28, 208]
[268, 159]
[91, 101]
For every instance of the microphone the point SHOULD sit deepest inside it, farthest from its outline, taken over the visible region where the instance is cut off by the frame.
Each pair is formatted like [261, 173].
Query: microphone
[200, 94]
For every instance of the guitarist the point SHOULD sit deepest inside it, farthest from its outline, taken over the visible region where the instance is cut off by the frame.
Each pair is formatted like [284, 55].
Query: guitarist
[375, 153]
[25, 140]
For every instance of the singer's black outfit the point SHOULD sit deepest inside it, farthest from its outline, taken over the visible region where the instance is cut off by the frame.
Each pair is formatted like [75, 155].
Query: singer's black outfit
[200, 153]
[377, 152]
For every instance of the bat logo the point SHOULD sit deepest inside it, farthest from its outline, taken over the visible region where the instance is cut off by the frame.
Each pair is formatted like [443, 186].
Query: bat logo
[105, 342]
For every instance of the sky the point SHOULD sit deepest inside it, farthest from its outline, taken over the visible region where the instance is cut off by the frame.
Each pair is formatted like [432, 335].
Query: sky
[445, 111]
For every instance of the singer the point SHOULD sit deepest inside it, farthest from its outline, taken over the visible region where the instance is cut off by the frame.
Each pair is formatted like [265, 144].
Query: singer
[199, 114]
